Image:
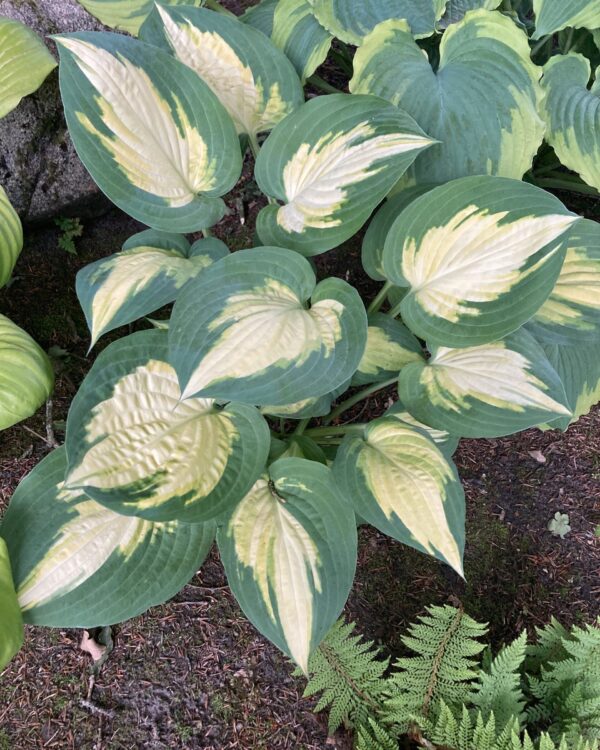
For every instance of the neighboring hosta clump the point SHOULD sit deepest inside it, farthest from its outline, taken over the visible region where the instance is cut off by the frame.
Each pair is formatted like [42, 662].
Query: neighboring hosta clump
[488, 321]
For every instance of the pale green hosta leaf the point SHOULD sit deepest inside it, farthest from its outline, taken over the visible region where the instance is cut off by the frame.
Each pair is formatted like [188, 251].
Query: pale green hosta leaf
[127, 15]
[11, 238]
[390, 346]
[402, 484]
[146, 275]
[24, 63]
[289, 551]
[243, 330]
[573, 115]
[457, 9]
[480, 255]
[481, 103]
[294, 29]
[252, 79]
[485, 391]
[153, 136]
[571, 314]
[331, 162]
[135, 446]
[446, 442]
[26, 375]
[352, 20]
[554, 15]
[11, 621]
[79, 564]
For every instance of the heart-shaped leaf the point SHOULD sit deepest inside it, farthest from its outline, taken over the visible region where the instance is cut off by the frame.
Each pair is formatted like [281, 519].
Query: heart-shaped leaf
[135, 446]
[11, 621]
[243, 330]
[457, 9]
[289, 551]
[78, 564]
[480, 255]
[251, 77]
[481, 103]
[552, 16]
[127, 15]
[11, 238]
[390, 346]
[152, 135]
[446, 442]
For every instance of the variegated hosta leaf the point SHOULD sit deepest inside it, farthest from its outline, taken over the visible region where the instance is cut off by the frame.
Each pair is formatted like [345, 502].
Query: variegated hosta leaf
[153, 136]
[331, 162]
[480, 255]
[309, 407]
[26, 375]
[481, 103]
[293, 28]
[457, 9]
[571, 314]
[352, 20]
[402, 484]
[11, 238]
[24, 63]
[243, 330]
[148, 274]
[374, 240]
[289, 551]
[135, 446]
[485, 391]
[11, 621]
[572, 113]
[390, 346]
[78, 564]
[446, 442]
[127, 15]
[551, 16]
[252, 79]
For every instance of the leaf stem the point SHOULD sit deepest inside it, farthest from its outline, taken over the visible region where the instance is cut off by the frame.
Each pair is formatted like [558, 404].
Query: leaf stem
[207, 232]
[380, 298]
[568, 41]
[302, 425]
[327, 431]
[319, 83]
[216, 6]
[570, 185]
[358, 397]
[395, 311]
[539, 44]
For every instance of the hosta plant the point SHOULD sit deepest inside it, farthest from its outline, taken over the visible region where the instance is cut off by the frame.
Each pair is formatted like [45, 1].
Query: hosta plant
[229, 419]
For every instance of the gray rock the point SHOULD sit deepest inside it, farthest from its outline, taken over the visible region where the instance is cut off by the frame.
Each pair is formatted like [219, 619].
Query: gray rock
[39, 168]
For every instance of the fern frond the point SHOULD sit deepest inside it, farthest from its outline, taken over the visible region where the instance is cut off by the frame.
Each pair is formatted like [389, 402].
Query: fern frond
[548, 648]
[374, 737]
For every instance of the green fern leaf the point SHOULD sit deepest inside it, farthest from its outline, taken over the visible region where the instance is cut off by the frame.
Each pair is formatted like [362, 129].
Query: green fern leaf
[374, 737]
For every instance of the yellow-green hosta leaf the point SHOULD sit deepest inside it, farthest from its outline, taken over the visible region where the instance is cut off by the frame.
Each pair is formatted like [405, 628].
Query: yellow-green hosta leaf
[289, 551]
[485, 391]
[481, 103]
[244, 330]
[252, 78]
[553, 15]
[127, 15]
[352, 20]
[11, 620]
[480, 255]
[457, 9]
[446, 442]
[153, 135]
[26, 375]
[331, 162]
[11, 238]
[390, 346]
[78, 564]
[136, 446]
[24, 63]
[148, 273]
[309, 407]
[401, 483]
[571, 314]
[572, 112]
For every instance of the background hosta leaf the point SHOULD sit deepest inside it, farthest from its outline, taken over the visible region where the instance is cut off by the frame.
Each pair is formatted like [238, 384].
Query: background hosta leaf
[78, 564]
[11, 621]
[252, 78]
[26, 375]
[243, 330]
[310, 407]
[551, 16]
[152, 135]
[11, 238]
[446, 442]
[402, 484]
[481, 103]
[571, 314]
[573, 115]
[480, 255]
[390, 346]
[456, 9]
[24, 63]
[289, 551]
[134, 445]
[331, 162]
[485, 391]
[127, 15]
[146, 275]
[352, 20]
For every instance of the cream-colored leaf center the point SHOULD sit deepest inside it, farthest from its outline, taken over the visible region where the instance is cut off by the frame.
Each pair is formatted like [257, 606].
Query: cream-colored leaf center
[383, 353]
